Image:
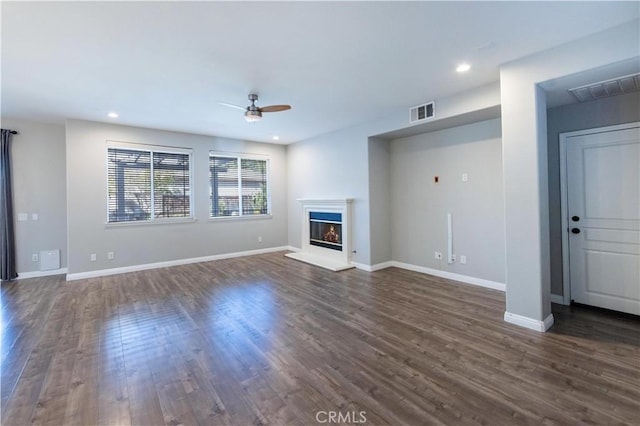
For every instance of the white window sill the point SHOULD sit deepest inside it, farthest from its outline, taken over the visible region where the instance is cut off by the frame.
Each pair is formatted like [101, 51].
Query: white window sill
[176, 221]
[246, 217]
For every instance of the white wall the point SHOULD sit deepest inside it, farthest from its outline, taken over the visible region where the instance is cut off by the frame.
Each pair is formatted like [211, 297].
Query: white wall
[524, 140]
[337, 165]
[420, 206]
[331, 166]
[380, 203]
[136, 244]
[38, 171]
[568, 118]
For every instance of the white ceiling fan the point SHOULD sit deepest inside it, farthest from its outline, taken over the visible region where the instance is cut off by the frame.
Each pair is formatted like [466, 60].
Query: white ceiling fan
[253, 112]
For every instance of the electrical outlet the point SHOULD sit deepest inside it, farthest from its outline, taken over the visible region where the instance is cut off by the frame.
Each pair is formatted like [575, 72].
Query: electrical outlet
[438, 255]
[93, 257]
[110, 255]
[260, 239]
[463, 259]
[453, 257]
[34, 257]
[465, 177]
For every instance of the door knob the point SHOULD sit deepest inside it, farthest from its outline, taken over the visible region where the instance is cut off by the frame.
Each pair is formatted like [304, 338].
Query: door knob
[575, 230]
[575, 218]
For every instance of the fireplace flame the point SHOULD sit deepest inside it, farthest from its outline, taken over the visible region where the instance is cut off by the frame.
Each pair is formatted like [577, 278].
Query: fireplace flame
[331, 235]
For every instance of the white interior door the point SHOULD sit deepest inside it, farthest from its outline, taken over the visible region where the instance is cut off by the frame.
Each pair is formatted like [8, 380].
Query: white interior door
[603, 200]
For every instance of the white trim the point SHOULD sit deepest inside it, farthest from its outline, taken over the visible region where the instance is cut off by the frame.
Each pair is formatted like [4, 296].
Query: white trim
[556, 298]
[566, 278]
[162, 222]
[243, 217]
[424, 270]
[245, 155]
[137, 146]
[530, 323]
[563, 140]
[38, 274]
[605, 129]
[372, 268]
[548, 322]
[329, 201]
[292, 248]
[239, 157]
[177, 262]
[451, 276]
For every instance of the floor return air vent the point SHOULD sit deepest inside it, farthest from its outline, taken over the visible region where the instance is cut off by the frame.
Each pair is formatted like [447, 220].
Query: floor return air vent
[49, 260]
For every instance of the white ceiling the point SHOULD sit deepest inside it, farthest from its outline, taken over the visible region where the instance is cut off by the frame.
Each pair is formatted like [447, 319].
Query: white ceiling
[166, 65]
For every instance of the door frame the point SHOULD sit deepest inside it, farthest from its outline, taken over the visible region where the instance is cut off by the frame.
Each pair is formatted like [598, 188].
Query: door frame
[564, 201]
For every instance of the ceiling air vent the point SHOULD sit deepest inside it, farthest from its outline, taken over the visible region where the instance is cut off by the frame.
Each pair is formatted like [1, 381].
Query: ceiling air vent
[603, 89]
[421, 112]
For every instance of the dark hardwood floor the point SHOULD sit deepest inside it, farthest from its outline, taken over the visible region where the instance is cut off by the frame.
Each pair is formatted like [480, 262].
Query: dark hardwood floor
[268, 340]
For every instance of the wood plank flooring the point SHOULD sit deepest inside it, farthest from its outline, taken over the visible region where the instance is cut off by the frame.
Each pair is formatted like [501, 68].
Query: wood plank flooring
[267, 340]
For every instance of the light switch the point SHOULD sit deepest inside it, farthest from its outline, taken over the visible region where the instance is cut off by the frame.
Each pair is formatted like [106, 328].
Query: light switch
[34, 216]
[22, 217]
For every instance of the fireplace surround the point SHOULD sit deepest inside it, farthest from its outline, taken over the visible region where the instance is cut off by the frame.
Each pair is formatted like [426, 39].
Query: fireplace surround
[326, 238]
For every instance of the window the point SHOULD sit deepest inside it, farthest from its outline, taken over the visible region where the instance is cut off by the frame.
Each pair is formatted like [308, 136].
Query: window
[238, 186]
[148, 185]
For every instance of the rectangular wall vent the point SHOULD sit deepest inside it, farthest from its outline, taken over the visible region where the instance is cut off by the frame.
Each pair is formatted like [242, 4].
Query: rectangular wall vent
[603, 89]
[422, 112]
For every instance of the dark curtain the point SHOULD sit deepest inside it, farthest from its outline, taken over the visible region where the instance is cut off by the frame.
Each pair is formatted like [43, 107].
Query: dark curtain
[7, 236]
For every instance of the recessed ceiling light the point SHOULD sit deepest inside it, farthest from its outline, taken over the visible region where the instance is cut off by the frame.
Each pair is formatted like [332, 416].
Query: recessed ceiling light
[276, 137]
[463, 68]
[113, 115]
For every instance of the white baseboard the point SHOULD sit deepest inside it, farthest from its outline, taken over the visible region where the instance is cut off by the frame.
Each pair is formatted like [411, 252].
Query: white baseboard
[37, 274]
[372, 268]
[135, 268]
[450, 275]
[292, 248]
[442, 274]
[556, 298]
[530, 323]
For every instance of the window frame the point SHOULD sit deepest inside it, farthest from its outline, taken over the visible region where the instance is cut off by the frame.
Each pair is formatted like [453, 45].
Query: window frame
[151, 149]
[239, 156]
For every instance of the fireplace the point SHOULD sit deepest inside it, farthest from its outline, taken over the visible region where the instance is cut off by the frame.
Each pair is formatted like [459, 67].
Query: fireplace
[325, 230]
[325, 235]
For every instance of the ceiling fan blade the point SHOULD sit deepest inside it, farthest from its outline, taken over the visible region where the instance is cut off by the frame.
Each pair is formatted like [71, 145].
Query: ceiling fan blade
[232, 106]
[275, 108]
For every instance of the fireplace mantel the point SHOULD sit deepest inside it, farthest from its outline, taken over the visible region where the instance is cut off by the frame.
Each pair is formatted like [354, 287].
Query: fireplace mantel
[326, 233]
[315, 201]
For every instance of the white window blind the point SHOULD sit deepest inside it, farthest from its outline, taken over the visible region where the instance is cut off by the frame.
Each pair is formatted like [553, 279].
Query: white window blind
[223, 173]
[145, 185]
[239, 186]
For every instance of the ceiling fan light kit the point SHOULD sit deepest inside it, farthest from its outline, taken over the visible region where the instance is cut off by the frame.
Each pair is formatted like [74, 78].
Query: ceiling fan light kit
[252, 115]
